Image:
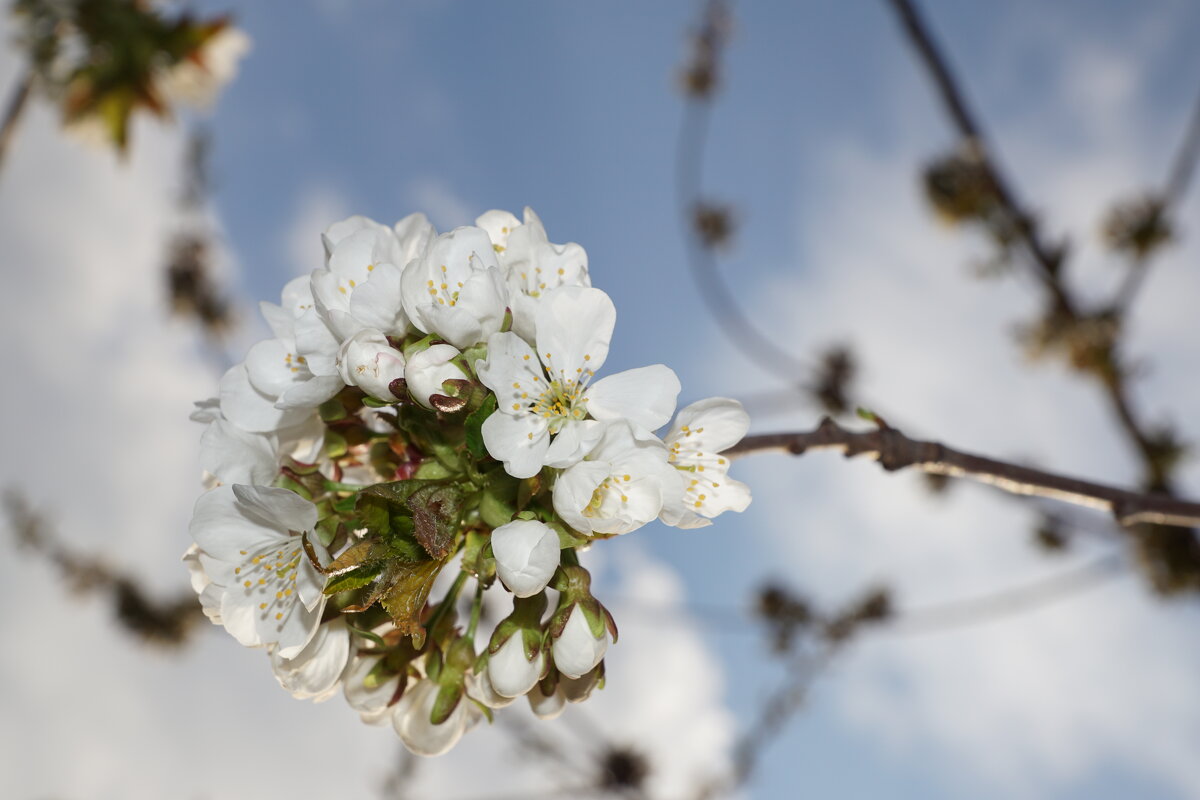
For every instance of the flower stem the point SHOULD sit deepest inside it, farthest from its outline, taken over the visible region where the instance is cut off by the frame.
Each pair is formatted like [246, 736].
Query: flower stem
[447, 602]
[374, 637]
[334, 486]
[570, 558]
[476, 611]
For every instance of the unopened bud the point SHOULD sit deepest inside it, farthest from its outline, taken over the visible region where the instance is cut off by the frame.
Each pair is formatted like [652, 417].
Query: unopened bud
[369, 362]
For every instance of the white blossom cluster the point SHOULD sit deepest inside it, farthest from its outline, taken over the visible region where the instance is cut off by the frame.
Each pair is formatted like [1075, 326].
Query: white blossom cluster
[431, 400]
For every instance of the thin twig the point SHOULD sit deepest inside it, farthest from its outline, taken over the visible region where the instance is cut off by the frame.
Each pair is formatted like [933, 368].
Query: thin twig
[1034, 596]
[758, 347]
[895, 451]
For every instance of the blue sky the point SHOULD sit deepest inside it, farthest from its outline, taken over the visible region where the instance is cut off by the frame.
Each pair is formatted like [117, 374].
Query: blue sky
[823, 121]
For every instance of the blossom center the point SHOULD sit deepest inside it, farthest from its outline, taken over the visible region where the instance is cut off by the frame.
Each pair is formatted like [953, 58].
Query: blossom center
[441, 291]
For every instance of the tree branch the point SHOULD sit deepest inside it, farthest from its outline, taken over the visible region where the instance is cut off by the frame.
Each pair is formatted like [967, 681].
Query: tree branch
[895, 451]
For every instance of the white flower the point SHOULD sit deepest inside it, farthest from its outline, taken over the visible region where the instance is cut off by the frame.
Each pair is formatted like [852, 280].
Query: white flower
[278, 368]
[360, 284]
[456, 289]
[250, 409]
[371, 702]
[533, 266]
[694, 445]
[510, 672]
[237, 456]
[314, 672]
[233, 455]
[199, 77]
[577, 650]
[367, 360]
[428, 369]
[621, 485]
[498, 225]
[269, 591]
[545, 397]
[412, 719]
[527, 553]
[546, 706]
[210, 598]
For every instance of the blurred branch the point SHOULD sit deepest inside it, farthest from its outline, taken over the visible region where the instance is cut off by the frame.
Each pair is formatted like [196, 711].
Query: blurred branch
[1184, 165]
[895, 451]
[1154, 225]
[708, 225]
[167, 623]
[1047, 259]
[17, 102]
[1034, 596]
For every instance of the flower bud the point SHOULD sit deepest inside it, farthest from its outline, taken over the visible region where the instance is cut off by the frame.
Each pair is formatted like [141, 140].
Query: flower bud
[527, 554]
[412, 720]
[368, 361]
[480, 688]
[369, 688]
[428, 369]
[576, 649]
[576, 690]
[546, 706]
[510, 672]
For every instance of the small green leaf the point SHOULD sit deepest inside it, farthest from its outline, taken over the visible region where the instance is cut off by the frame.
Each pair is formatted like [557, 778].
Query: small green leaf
[436, 511]
[354, 579]
[474, 426]
[431, 469]
[408, 587]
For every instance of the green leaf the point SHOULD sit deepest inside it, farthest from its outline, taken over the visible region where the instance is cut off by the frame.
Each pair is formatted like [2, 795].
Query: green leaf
[436, 510]
[407, 590]
[474, 426]
[354, 579]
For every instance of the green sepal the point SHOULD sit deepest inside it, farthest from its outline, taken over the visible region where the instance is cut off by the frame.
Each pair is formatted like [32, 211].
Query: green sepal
[284, 482]
[473, 354]
[527, 490]
[431, 469]
[335, 445]
[568, 537]
[373, 402]
[424, 343]
[448, 698]
[493, 508]
[474, 426]
[327, 529]
[380, 674]
[476, 558]
[332, 410]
